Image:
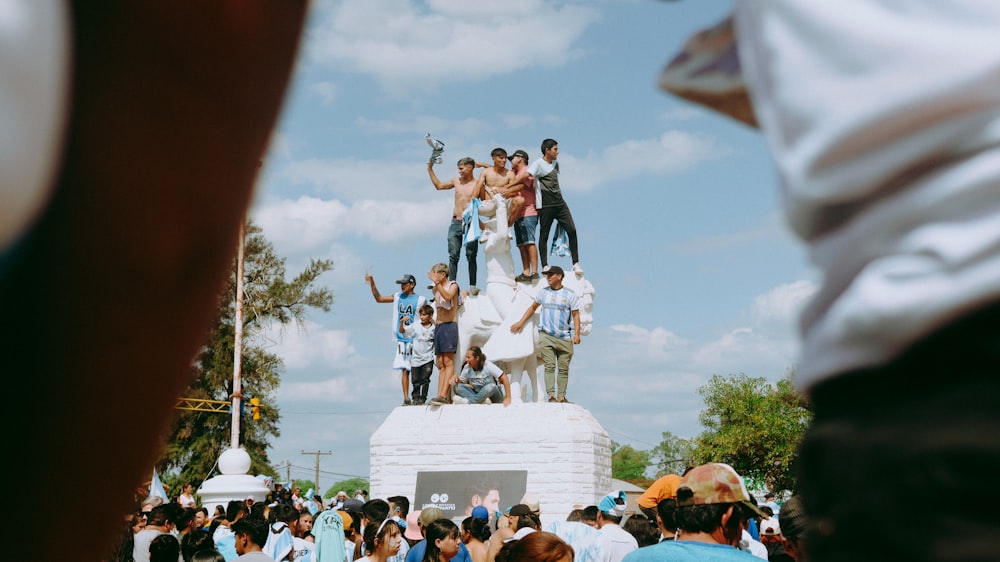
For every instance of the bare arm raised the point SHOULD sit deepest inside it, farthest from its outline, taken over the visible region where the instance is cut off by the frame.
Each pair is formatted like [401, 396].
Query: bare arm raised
[438, 184]
[378, 296]
[447, 290]
[478, 189]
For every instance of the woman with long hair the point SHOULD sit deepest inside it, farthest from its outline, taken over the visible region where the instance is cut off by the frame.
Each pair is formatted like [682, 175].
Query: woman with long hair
[382, 541]
[442, 541]
[475, 533]
[536, 547]
[479, 380]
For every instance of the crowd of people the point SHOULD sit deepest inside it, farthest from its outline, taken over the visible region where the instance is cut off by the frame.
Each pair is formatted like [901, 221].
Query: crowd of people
[706, 514]
[883, 124]
[428, 335]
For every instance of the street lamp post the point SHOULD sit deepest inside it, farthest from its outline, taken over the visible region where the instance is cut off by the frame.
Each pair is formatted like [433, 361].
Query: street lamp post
[234, 438]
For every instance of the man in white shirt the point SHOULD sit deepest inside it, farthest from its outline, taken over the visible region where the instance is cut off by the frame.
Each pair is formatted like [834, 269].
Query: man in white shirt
[157, 523]
[617, 541]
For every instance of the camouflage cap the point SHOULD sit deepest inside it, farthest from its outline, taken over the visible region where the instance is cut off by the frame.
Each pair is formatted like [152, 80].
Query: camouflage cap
[714, 483]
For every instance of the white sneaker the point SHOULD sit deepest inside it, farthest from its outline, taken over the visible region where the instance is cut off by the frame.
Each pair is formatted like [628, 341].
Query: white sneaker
[459, 400]
[488, 401]
[577, 269]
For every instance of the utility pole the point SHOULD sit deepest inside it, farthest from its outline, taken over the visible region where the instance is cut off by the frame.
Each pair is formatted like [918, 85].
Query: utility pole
[317, 453]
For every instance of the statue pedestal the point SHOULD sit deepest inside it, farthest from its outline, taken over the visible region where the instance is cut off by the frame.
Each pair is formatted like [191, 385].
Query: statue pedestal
[233, 483]
[564, 451]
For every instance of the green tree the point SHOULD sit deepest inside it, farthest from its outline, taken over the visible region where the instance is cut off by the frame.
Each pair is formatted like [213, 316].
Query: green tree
[627, 462]
[305, 485]
[198, 438]
[350, 486]
[673, 455]
[754, 426]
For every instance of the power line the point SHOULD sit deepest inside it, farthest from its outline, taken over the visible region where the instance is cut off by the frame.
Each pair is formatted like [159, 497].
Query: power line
[289, 466]
[317, 453]
[343, 474]
[629, 437]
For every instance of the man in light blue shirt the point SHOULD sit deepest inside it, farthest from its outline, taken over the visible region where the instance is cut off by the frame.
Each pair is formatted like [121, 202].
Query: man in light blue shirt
[556, 336]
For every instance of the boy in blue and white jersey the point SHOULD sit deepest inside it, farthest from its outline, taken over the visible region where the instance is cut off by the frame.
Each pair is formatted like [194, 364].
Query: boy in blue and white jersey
[404, 305]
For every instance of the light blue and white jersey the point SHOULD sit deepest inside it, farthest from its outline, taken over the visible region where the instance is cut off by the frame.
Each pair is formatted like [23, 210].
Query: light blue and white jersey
[478, 378]
[557, 311]
[404, 305]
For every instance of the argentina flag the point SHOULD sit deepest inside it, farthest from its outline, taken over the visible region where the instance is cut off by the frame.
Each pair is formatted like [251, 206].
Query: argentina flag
[470, 223]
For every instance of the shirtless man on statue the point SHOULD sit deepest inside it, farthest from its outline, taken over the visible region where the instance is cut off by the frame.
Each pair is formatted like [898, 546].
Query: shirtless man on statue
[463, 217]
[498, 180]
[446, 331]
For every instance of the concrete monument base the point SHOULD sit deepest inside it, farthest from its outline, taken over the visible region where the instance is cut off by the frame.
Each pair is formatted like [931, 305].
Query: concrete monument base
[564, 450]
[234, 483]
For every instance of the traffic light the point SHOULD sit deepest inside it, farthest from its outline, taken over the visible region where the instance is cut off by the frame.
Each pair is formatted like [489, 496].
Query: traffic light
[255, 408]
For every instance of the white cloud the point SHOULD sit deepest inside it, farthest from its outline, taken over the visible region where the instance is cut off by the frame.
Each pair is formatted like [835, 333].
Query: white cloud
[353, 179]
[302, 225]
[783, 304]
[335, 390]
[748, 350]
[766, 347]
[310, 224]
[419, 126]
[303, 345]
[645, 377]
[657, 343]
[406, 44]
[671, 152]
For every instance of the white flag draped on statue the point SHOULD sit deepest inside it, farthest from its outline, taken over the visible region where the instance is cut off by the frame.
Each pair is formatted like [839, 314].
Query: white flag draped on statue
[156, 488]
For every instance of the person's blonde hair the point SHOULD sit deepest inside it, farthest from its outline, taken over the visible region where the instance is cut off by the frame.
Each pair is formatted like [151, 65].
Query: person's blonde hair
[441, 268]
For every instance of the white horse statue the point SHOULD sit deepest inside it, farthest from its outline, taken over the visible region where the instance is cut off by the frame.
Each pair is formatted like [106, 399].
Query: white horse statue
[485, 321]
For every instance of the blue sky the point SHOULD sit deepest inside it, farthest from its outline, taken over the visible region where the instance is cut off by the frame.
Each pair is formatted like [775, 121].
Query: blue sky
[676, 207]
